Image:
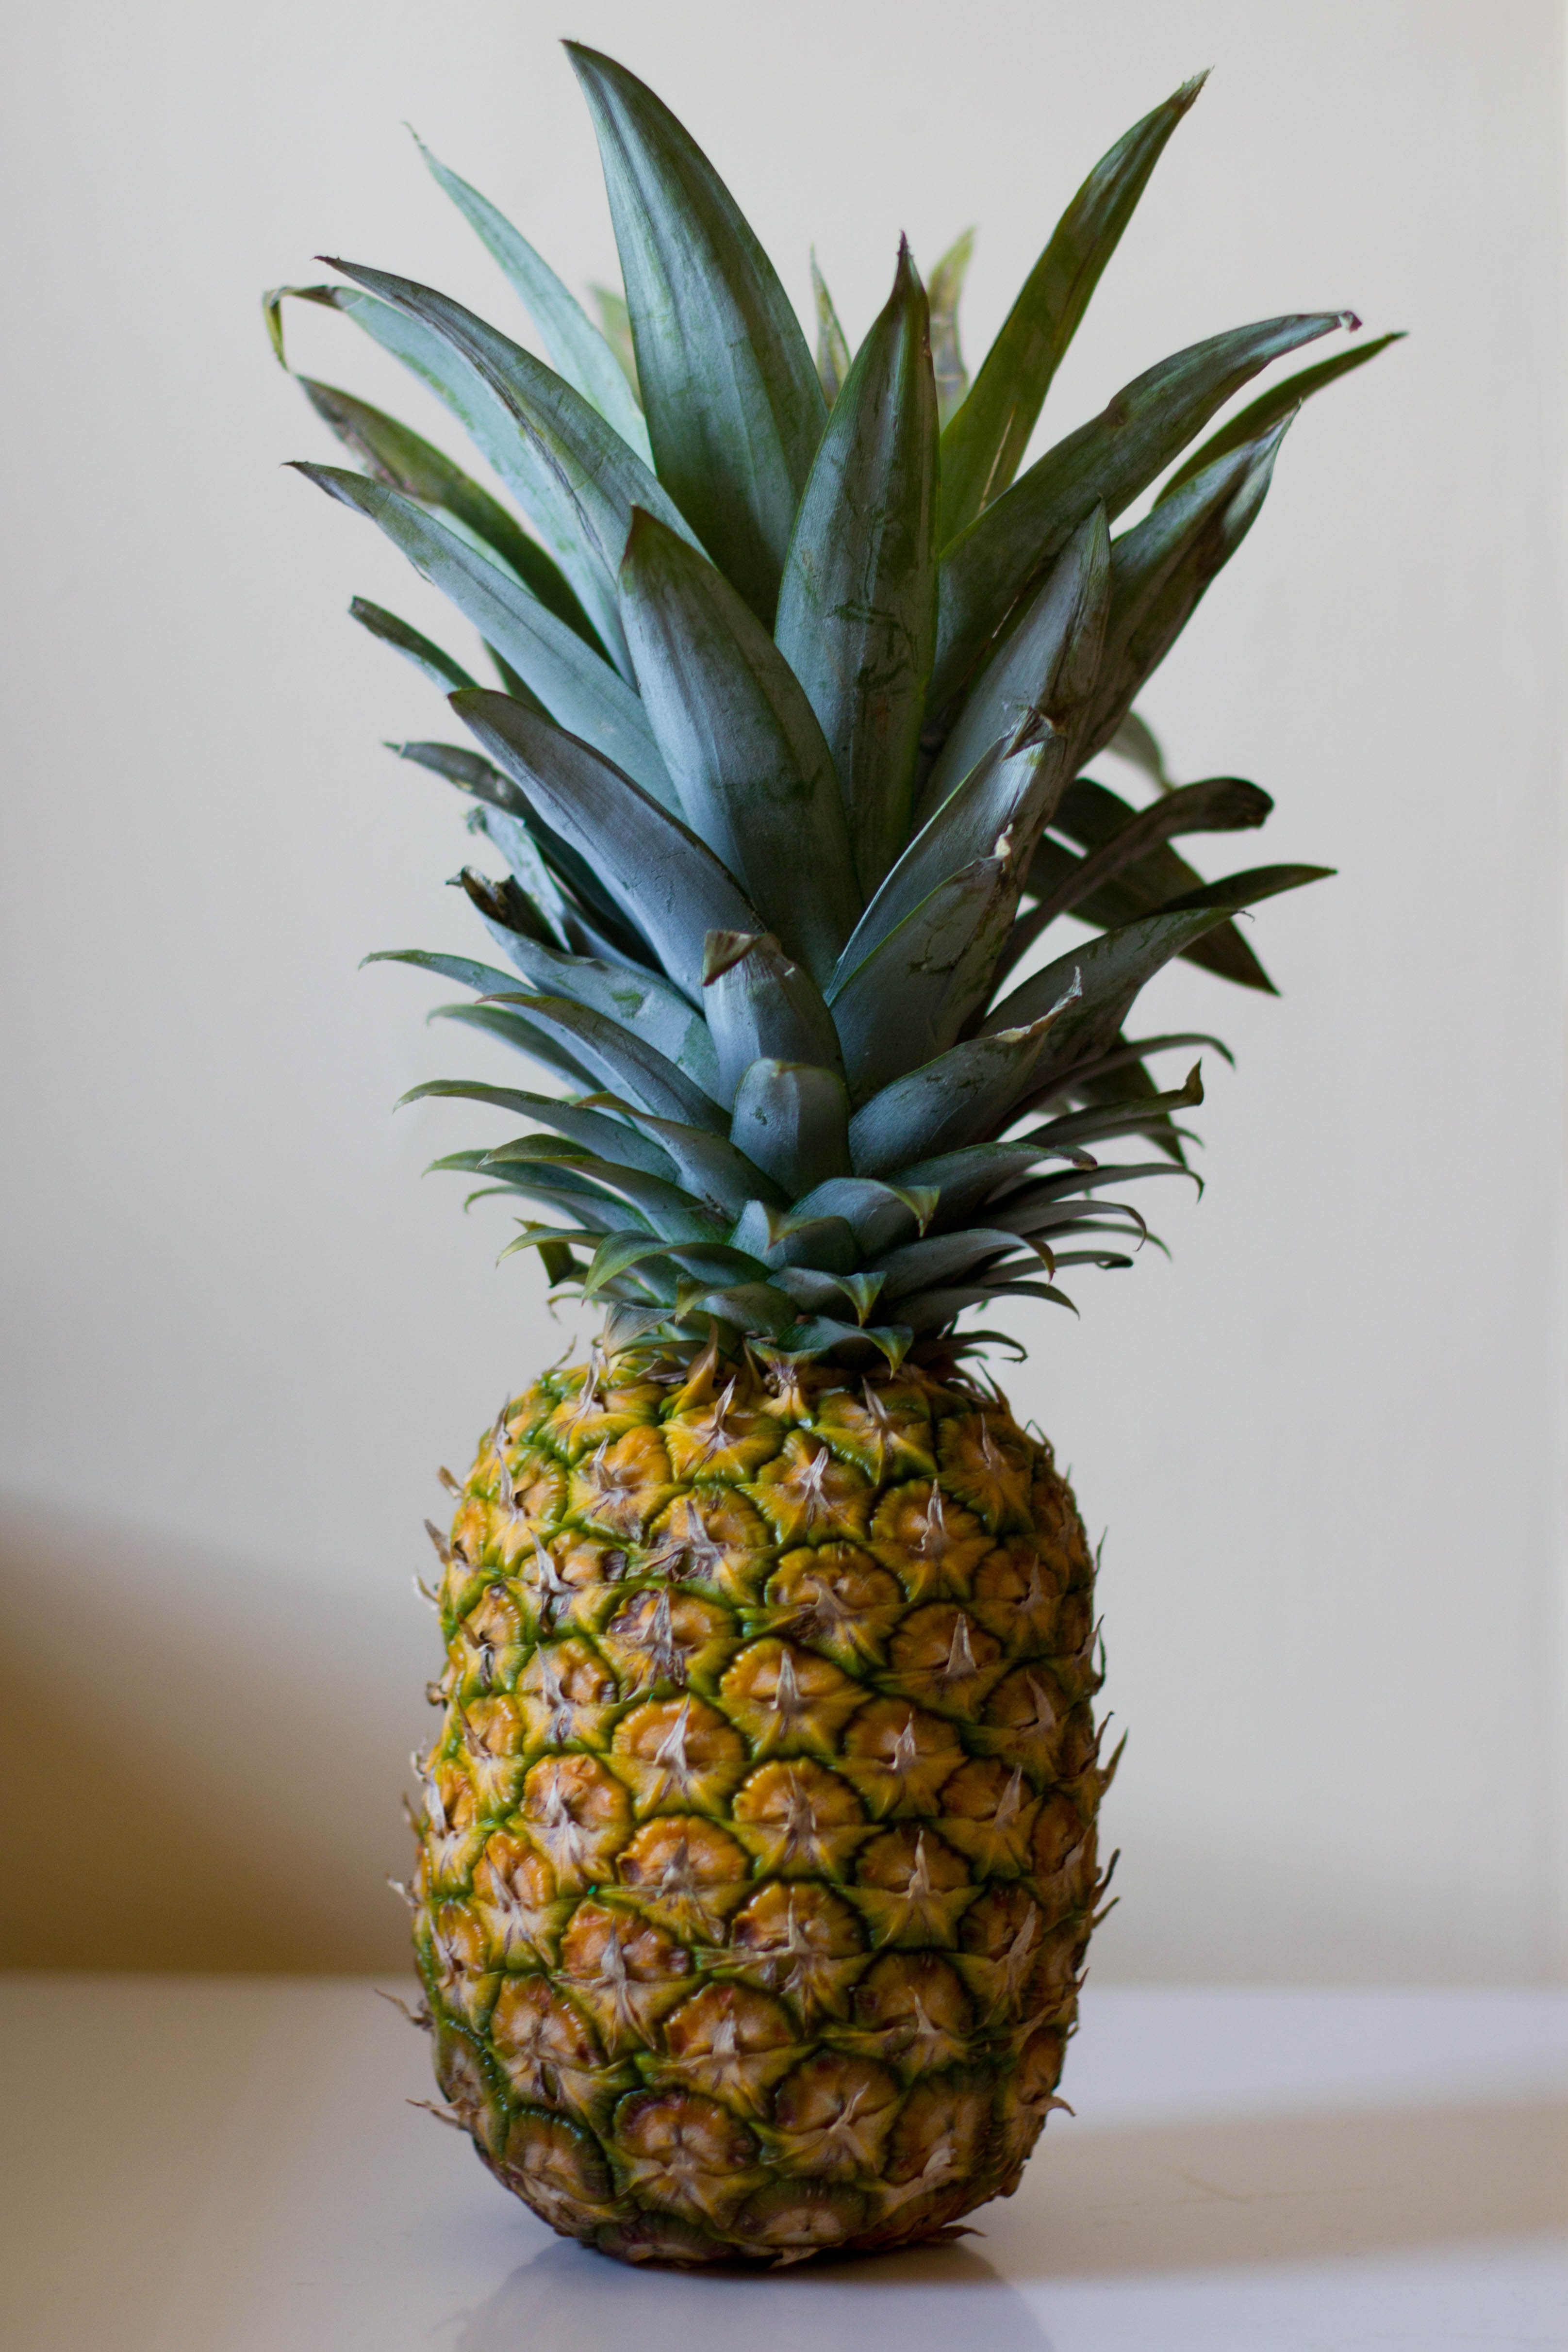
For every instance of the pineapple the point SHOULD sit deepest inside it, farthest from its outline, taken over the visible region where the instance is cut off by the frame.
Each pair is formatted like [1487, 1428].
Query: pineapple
[757, 1852]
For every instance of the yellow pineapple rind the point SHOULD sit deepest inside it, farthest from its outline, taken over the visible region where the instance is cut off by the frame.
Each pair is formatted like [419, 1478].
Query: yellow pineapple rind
[757, 1856]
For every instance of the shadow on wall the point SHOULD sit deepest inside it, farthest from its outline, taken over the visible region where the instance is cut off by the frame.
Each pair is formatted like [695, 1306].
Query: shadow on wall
[202, 1763]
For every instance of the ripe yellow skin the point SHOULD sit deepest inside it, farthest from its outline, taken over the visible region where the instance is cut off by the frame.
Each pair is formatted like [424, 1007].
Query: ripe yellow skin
[757, 1851]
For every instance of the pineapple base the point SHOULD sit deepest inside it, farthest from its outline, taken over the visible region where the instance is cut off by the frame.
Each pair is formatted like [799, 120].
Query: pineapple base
[757, 1857]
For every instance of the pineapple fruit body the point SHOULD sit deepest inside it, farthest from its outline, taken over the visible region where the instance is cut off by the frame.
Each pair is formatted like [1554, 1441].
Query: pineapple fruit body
[757, 1854]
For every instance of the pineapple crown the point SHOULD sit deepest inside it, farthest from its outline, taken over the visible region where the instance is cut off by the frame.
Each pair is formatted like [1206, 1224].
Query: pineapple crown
[798, 678]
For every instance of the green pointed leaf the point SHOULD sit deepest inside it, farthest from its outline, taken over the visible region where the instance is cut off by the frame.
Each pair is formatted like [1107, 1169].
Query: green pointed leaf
[832, 347]
[930, 1310]
[942, 1258]
[791, 1120]
[1045, 670]
[551, 1241]
[620, 1058]
[542, 1045]
[1113, 969]
[402, 461]
[909, 1000]
[609, 1139]
[646, 1201]
[1160, 570]
[1094, 1125]
[976, 1172]
[981, 449]
[560, 884]
[999, 809]
[734, 410]
[1219, 804]
[517, 688]
[522, 465]
[578, 352]
[442, 671]
[761, 1006]
[584, 693]
[712, 1262]
[1092, 816]
[654, 866]
[1135, 742]
[615, 326]
[593, 471]
[783, 1237]
[1106, 462]
[876, 1213]
[639, 1001]
[738, 738]
[964, 1094]
[945, 290]
[511, 913]
[482, 978]
[713, 1167]
[753, 1307]
[1280, 402]
[856, 614]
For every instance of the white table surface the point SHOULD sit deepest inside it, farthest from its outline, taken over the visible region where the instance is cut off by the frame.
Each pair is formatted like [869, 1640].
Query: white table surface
[226, 2165]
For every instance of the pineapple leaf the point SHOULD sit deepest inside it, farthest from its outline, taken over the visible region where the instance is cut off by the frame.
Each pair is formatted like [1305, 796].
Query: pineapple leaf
[792, 1120]
[832, 346]
[1093, 1125]
[940, 1256]
[874, 1211]
[559, 883]
[930, 1309]
[642, 1003]
[1107, 461]
[609, 1139]
[734, 409]
[594, 473]
[615, 326]
[441, 668]
[1160, 570]
[578, 352]
[967, 1176]
[712, 1166]
[1093, 815]
[907, 1001]
[1002, 798]
[1219, 804]
[392, 454]
[753, 1307]
[482, 978]
[519, 465]
[945, 288]
[653, 864]
[1280, 401]
[660, 1206]
[982, 448]
[790, 1239]
[620, 1057]
[710, 1261]
[583, 692]
[1135, 742]
[952, 1101]
[760, 1005]
[856, 612]
[1113, 968]
[738, 739]
[1045, 669]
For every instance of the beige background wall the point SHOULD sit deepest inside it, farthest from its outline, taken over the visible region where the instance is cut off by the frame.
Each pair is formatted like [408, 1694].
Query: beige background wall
[240, 1333]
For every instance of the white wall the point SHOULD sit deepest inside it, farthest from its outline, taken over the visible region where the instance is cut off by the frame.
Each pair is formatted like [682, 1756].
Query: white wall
[240, 1333]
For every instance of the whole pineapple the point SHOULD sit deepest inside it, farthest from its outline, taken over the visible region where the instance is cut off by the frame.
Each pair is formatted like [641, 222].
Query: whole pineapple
[757, 1856]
